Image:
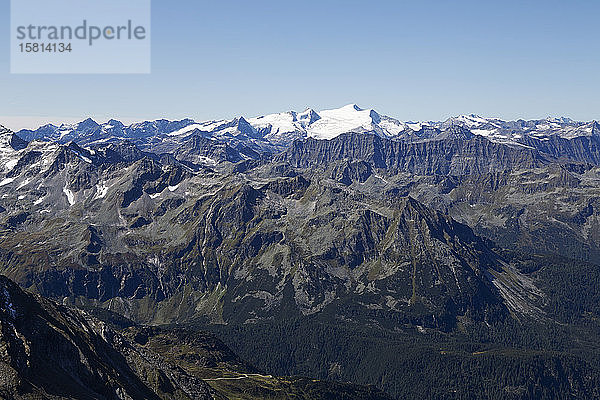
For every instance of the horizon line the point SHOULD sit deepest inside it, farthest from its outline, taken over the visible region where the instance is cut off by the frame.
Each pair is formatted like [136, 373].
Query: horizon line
[32, 122]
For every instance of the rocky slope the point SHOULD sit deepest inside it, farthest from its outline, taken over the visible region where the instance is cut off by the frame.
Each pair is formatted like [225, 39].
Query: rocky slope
[50, 351]
[519, 197]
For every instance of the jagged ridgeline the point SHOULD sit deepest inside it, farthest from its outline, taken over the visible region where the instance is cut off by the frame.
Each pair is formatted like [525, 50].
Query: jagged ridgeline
[471, 229]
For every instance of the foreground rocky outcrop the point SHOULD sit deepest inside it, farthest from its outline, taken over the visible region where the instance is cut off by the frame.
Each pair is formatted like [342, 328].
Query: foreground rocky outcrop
[50, 351]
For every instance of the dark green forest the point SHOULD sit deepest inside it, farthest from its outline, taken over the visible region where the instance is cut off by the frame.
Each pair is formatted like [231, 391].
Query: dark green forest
[558, 358]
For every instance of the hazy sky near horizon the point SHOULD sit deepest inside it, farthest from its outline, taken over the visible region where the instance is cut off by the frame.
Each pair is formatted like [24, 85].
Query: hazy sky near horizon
[424, 60]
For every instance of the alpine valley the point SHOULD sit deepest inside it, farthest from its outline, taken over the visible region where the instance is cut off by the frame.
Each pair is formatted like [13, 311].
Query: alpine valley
[228, 259]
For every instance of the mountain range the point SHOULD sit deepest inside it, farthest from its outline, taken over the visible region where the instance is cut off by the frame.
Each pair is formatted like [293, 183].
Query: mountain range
[277, 131]
[354, 246]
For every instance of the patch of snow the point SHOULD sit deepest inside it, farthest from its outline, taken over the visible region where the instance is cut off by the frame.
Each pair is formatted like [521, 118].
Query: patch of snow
[186, 130]
[279, 123]
[84, 158]
[11, 163]
[381, 178]
[70, 195]
[472, 120]
[483, 132]
[206, 160]
[101, 191]
[523, 145]
[6, 181]
[64, 133]
[210, 126]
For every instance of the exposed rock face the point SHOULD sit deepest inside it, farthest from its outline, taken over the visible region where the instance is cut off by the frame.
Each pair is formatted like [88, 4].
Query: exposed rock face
[17, 143]
[199, 150]
[582, 149]
[514, 195]
[288, 186]
[472, 156]
[316, 228]
[346, 172]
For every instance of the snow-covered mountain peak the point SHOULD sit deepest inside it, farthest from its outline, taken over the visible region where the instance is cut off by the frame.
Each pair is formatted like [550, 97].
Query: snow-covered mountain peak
[352, 118]
[308, 116]
[283, 128]
[10, 146]
[282, 122]
[560, 120]
[469, 120]
[334, 122]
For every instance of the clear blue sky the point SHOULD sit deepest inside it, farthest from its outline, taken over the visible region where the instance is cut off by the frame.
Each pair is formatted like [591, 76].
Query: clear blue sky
[408, 59]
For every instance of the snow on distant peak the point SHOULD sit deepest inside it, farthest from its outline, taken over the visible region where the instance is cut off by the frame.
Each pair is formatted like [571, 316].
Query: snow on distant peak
[470, 120]
[186, 130]
[285, 122]
[10, 147]
[308, 116]
[560, 120]
[350, 118]
[283, 128]
[277, 123]
[276, 131]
